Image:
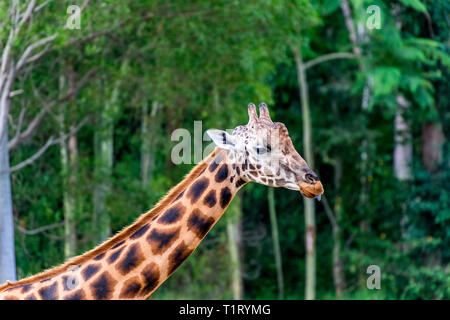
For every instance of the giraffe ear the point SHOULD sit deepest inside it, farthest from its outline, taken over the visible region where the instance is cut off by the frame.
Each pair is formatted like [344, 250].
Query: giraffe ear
[222, 139]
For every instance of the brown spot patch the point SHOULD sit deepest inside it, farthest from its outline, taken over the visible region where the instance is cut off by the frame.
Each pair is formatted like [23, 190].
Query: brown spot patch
[178, 255]
[179, 196]
[31, 297]
[199, 223]
[103, 287]
[197, 189]
[131, 259]
[163, 239]
[130, 288]
[50, 292]
[173, 214]
[245, 165]
[225, 197]
[25, 288]
[140, 232]
[113, 257]
[254, 173]
[90, 271]
[118, 245]
[151, 278]
[222, 173]
[99, 257]
[210, 199]
[201, 172]
[240, 182]
[77, 295]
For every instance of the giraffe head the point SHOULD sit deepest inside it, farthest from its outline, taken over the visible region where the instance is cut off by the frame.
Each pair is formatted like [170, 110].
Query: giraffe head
[262, 151]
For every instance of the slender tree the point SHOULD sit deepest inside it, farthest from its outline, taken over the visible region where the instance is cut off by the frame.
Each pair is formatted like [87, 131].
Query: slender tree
[11, 66]
[276, 242]
[104, 155]
[291, 23]
[69, 164]
[23, 48]
[150, 123]
[234, 235]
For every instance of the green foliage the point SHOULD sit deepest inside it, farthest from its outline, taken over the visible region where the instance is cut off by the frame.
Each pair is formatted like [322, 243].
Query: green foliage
[415, 4]
[204, 60]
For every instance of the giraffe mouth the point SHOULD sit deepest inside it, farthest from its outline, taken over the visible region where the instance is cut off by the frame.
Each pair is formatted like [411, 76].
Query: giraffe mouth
[311, 190]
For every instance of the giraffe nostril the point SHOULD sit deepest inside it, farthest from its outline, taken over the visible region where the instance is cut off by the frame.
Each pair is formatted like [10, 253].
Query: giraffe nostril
[311, 177]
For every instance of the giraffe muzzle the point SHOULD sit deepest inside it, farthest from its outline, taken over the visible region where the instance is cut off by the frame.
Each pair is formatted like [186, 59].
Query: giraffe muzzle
[311, 190]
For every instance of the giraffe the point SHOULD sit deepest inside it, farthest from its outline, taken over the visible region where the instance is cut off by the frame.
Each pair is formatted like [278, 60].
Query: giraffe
[136, 261]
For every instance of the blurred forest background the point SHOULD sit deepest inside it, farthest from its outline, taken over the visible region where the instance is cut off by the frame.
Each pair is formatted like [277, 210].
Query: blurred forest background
[86, 117]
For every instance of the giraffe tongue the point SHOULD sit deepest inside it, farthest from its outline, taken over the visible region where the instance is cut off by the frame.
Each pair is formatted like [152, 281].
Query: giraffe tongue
[319, 197]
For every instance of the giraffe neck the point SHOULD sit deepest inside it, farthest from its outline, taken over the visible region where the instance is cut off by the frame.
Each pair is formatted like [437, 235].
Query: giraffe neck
[135, 262]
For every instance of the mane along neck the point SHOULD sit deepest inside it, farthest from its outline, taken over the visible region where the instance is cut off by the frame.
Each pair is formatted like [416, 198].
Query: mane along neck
[125, 233]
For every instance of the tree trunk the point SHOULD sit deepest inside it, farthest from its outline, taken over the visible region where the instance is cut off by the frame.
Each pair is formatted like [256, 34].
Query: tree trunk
[233, 233]
[104, 148]
[148, 141]
[433, 140]
[338, 265]
[70, 157]
[104, 144]
[8, 71]
[68, 202]
[69, 160]
[402, 156]
[276, 243]
[147, 160]
[403, 145]
[310, 224]
[7, 254]
[356, 39]
[402, 159]
[346, 11]
[103, 167]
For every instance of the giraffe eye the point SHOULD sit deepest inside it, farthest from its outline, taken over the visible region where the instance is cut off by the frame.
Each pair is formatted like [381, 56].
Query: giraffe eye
[261, 150]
